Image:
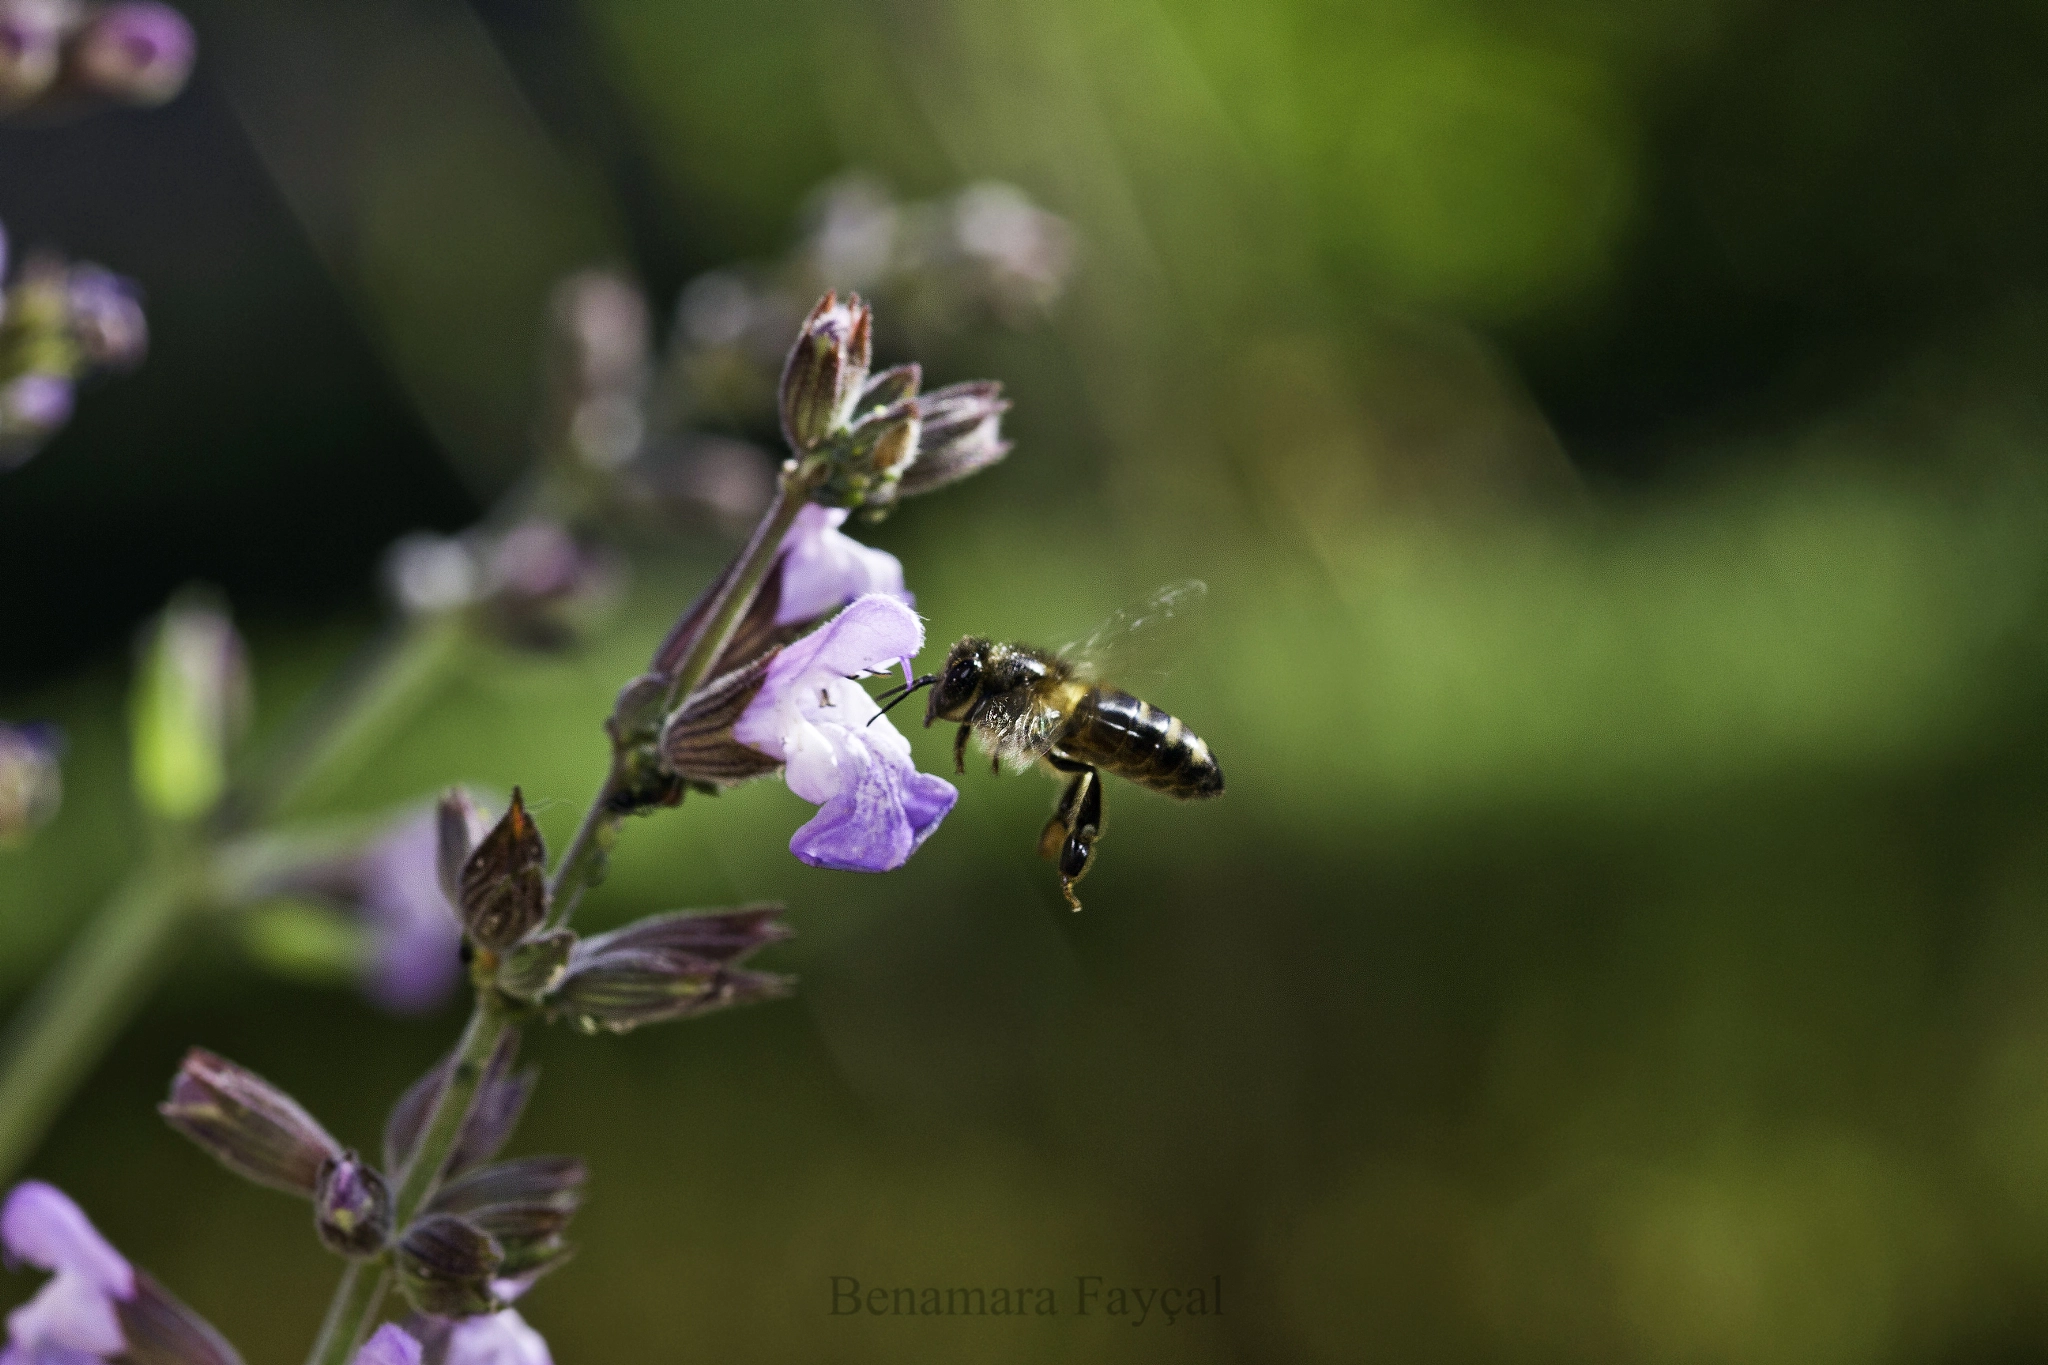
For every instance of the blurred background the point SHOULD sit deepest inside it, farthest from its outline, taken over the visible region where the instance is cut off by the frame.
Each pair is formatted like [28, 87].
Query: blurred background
[1613, 438]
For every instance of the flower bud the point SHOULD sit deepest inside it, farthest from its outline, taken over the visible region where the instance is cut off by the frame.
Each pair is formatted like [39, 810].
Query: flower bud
[667, 967]
[137, 53]
[351, 1207]
[445, 1265]
[31, 42]
[961, 435]
[869, 459]
[31, 782]
[826, 371]
[599, 338]
[247, 1124]
[552, 1181]
[697, 744]
[106, 318]
[890, 386]
[501, 1097]
[33, 408]
[189, 704]
[504, 883]
[460, 825]
[541, 585]
[159, 1330]
[532, 968]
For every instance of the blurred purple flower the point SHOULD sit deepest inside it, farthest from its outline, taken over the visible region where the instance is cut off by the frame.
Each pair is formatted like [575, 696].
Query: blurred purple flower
[31, 40]
[498, 1339]
[96, 1307]
[389, 1345]
[823, 568]
[875, 808]
[31, 783]
[393, 884]
[416, 935]
[74, 1316]
[138, 53]
[107, 318]
[38, 403]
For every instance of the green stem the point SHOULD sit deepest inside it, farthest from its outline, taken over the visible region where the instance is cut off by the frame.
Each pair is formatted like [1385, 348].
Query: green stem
[585, 855]
[356, 1301]
[105, 973]
[82, 1004]
[349, 1314]
[373, 706]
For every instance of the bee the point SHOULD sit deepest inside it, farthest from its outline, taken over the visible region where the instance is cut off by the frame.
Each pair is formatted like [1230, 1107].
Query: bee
[1031, 706]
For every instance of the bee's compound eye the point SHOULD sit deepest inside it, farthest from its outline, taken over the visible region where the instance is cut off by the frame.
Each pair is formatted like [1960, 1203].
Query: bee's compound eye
[960, 675]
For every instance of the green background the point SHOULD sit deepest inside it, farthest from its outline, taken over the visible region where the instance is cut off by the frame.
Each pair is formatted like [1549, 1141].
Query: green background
[1612, 436]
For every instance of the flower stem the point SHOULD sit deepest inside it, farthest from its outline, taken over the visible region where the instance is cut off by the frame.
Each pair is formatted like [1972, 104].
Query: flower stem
[582, 861]
[361, 1291]
[82, 1004]
[356, 1300]
[105, 973]
[374, 703]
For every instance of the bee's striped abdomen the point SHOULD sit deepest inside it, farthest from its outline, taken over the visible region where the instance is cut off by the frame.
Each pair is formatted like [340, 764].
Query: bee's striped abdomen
[1137, 741]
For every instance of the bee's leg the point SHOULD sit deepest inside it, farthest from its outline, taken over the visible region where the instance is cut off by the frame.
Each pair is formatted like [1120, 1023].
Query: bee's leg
[1084, 828]
[960, 748]
[1069, 837]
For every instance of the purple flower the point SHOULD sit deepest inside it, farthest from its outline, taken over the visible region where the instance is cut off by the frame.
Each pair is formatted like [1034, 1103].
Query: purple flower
[96, 1307]
[497, 1339]
[74, 1316]
[36, 403]
[107, 317]
[393, 884]
[31, 37]
[139, 53]
[389, 1345]
[823, 568]
[875, 808]
[416, 935]
[31, 783]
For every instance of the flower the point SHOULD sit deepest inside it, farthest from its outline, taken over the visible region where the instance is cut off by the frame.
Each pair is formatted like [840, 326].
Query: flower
[826, 370]
[875, 808]
[247, 1124]
[76, 1311]
[31, 782]
[137, 53]
[415, 934]
[499, 1339]
[412, 957]
[107, 318]
[494, 1339]
[823, 568]
[389, 1345]
[961, 435]
[96, 1306]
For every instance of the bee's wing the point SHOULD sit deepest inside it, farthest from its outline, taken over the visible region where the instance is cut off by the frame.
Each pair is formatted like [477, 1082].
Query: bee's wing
[1017, 727]
[1140, 638]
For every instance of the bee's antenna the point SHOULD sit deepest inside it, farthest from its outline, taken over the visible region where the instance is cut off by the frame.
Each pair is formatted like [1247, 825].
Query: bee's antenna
[899, 693]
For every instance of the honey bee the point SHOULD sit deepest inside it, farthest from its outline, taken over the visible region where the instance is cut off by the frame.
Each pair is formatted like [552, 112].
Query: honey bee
[1031, 705]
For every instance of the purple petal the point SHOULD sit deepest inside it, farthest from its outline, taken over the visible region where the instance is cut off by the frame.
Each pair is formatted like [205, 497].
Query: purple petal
[499, 1339]
[875, 808]
[869, 635]
[42, 1227]
[416, 938]
[37, 402]
[824, 568]
[882, 811]
[74, 1313]
[390, 1345]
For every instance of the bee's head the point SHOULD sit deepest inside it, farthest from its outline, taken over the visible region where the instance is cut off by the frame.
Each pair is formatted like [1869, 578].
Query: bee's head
[958, 684]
